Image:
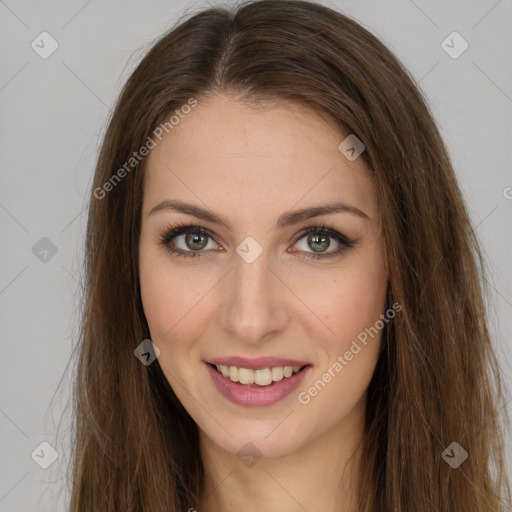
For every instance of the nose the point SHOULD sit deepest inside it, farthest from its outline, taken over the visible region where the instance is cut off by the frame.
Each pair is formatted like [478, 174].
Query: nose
[255, 307]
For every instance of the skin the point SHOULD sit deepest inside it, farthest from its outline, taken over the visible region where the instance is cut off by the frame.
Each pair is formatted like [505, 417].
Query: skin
[249, 165]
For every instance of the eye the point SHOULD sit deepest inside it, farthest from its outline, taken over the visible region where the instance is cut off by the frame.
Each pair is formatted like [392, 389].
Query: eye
[319, 240]
[190, 241]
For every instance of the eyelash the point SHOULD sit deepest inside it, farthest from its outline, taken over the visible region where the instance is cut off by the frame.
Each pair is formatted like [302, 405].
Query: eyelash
[172, 232]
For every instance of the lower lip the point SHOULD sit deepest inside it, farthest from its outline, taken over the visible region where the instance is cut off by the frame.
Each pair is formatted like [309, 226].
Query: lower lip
[260, 396]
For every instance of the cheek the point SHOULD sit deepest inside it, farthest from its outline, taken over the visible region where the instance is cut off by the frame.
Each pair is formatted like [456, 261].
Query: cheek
[161, 307]
[353, 312]
[168, 298]
[359, 304]
[354, 299]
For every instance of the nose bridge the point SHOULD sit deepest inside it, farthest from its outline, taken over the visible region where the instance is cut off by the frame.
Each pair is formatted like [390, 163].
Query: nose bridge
[253, 308]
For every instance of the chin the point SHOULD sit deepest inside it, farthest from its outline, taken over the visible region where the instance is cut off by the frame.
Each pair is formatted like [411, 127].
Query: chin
[263, 440]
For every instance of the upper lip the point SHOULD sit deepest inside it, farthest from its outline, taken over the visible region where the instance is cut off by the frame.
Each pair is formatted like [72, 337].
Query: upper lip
[256, 363]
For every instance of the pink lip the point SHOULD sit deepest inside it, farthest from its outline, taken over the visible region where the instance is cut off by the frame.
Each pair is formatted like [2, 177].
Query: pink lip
[257, 363]
[257, 396]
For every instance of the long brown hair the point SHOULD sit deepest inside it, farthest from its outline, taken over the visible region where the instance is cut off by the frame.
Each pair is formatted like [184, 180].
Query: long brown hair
[135, 448]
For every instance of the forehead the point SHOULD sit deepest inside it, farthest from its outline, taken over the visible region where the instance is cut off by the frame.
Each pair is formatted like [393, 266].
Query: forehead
[257, 159]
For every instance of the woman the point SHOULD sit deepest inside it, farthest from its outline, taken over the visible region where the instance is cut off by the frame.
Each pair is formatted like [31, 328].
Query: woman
[283, 303]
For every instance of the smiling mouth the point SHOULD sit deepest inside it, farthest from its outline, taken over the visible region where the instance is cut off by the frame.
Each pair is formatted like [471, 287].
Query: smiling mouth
[263, 377]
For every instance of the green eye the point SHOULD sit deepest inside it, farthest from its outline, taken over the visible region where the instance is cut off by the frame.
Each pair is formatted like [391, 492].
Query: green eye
[319, 240]
[196, 242]
[196, 238]
[319, 243]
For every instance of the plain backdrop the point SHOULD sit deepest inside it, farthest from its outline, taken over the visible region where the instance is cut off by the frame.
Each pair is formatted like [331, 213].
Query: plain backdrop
[53, 111]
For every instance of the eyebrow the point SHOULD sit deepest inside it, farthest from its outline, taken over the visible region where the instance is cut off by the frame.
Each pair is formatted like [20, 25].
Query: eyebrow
[285, 220]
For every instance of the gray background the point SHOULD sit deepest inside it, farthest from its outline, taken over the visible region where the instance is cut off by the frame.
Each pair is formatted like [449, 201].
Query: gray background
[53, 112]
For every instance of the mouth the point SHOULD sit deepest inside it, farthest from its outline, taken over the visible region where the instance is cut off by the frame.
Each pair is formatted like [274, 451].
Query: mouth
[256, 387]
[258, 378]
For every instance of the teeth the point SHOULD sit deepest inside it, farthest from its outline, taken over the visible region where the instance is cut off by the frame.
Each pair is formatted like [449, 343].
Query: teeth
[233, 373]
[261, 377]
[277, 373]
[245, 376]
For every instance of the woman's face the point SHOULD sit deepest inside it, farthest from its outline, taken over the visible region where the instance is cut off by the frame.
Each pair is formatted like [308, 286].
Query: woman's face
[255, 290]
